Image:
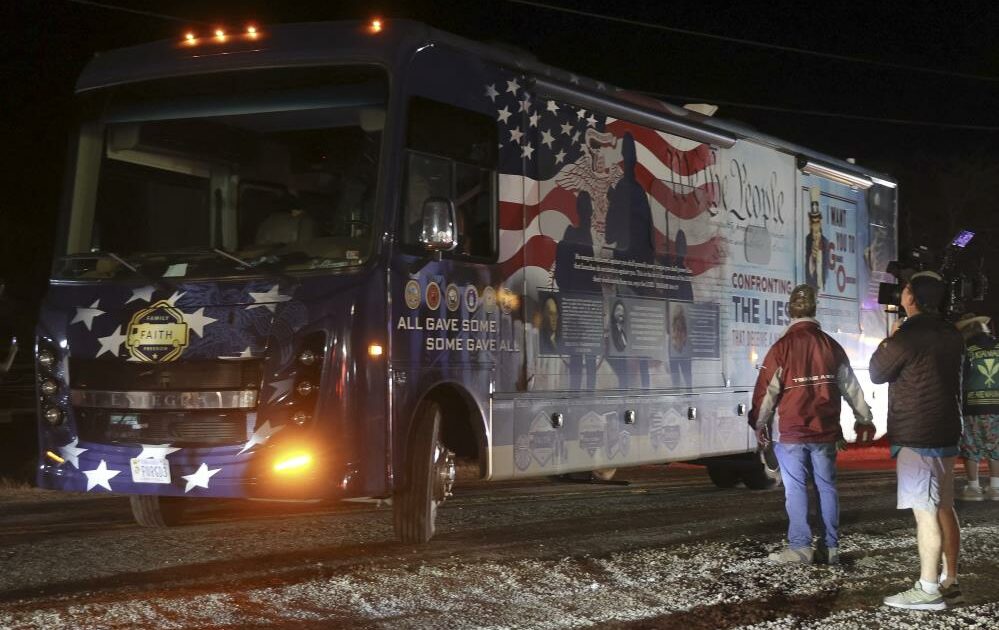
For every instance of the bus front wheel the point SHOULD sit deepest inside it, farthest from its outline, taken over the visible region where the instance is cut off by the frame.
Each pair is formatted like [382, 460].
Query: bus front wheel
[430, 473]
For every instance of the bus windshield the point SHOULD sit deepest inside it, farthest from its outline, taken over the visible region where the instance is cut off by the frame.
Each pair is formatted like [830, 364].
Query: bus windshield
[227, 173]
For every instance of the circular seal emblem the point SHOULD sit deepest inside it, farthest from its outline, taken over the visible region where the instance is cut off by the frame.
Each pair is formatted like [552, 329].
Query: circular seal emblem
[471, 298]
[433, 296]
[412, 294]
[506, 300]
[489, 299]
[452, 297]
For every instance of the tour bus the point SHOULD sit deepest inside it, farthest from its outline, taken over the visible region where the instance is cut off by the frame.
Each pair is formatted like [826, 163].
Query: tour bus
[323, 261]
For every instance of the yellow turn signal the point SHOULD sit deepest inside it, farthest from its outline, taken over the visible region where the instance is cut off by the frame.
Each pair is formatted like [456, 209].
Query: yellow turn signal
[293, 463]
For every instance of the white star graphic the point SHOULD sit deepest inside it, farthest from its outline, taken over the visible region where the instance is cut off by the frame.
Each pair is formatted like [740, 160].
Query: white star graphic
[512, 86]
[142, 293]
[547, 138]
[504, 114]
[245, 354]
[156, 451]
[112, 343]
[197, 321]
[527, 151]
[268, 299]
[100, 476]
[591, 120]
[281, 388]
[87, 315]
[560, 156]
[575, 137]
[516, 134]
[552, 107]
[261, 435]
[491, 92]
[525, 105]
[71, 453]
[200, 478]
[573, 79]
[601, 86]
[567, 129]
[581, 113]
[534, 119]
[172, 300]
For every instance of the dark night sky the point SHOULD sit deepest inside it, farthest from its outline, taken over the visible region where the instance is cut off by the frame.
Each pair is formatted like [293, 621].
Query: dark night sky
[949, 176]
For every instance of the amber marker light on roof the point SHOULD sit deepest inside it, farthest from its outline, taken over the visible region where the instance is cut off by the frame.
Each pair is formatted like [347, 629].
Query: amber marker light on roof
[375, 350]
[375, 26]
[219, 33]
[189, 37]
[251, 30]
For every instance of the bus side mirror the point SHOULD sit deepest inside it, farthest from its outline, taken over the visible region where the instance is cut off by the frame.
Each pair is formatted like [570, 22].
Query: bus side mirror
[438, 234]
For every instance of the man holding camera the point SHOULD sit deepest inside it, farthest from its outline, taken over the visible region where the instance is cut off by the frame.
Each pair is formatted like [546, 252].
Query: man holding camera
[922, 360]
[803, 376]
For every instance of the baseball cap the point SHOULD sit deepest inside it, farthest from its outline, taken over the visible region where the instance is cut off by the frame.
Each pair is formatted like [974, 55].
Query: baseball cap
[928, 288]
[971, 320]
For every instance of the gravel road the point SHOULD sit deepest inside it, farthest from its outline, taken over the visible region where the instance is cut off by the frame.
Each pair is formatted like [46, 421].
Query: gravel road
[667, 550]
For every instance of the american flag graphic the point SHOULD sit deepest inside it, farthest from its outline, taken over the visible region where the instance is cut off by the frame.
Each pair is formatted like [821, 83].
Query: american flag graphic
[566, 150]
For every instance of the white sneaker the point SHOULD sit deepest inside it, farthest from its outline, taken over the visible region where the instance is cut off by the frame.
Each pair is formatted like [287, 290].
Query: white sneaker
[971, 493]
[917, 599]
[992, 493]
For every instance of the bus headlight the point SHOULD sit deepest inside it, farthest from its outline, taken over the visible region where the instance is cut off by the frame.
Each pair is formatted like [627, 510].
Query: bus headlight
[49, 387]
[46, 358]
[53, 416]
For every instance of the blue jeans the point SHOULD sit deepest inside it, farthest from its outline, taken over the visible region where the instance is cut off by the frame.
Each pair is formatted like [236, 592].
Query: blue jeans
[799, 463]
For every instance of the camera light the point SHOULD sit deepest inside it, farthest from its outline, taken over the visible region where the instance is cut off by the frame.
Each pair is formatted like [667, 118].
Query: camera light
[300, 418]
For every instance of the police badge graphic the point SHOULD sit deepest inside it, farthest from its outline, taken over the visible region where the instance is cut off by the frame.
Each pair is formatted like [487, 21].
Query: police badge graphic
[157, 334]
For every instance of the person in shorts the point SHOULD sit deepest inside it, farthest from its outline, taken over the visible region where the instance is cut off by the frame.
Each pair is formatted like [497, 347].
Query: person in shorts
[980, 439]
[922, 360]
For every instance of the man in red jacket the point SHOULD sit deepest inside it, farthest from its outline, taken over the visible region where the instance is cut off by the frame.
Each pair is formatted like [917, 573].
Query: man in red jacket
[803, 377]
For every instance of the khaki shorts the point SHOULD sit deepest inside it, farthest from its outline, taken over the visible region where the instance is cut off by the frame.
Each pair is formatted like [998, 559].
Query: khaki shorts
[924, 483]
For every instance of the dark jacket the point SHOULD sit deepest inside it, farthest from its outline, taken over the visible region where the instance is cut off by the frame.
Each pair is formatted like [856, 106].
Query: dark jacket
[923, 362]
[981, 376]
[804, 375]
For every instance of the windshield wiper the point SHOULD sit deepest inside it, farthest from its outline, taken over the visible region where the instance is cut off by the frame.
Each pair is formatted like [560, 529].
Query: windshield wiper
[160, 283]
[225, 254]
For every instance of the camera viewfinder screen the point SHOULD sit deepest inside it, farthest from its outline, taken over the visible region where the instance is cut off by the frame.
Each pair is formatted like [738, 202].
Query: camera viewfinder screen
[963, 238]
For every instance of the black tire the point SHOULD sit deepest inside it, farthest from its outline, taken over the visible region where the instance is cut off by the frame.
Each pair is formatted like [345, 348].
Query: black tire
[758, 476]
[154, 511]
[723, 476]
[429, 476]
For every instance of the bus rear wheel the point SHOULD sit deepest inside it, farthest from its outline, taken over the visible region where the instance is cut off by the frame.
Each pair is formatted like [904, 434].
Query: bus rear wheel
[430, 473]
[155, 511]
[723, 475]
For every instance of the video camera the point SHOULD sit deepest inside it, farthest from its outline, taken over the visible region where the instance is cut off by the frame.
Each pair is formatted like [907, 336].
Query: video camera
[963, 286]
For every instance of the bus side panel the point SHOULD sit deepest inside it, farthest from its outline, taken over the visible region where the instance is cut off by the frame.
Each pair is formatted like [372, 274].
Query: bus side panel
[599, 431]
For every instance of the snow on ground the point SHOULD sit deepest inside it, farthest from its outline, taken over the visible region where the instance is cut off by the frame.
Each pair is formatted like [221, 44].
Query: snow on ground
[711, 584]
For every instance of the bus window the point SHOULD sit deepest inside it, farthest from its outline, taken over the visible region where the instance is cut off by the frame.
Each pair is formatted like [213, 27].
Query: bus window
[451, 152]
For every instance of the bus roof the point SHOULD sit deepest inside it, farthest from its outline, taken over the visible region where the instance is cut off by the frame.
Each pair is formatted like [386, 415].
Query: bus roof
[319, 43]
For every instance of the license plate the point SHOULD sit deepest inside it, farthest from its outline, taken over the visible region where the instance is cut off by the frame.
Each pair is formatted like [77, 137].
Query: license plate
[150, 470]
